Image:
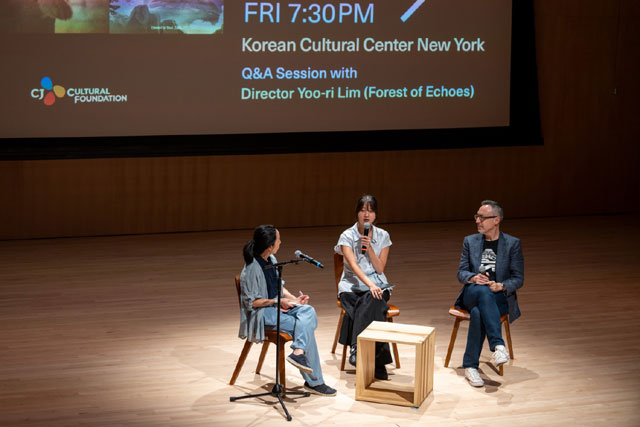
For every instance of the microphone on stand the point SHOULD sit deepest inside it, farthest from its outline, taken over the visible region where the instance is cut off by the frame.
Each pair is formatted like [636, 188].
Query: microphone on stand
[367, 226]
[308, 259]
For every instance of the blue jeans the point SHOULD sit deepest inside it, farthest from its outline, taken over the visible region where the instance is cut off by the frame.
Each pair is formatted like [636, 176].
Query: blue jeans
[485, 308]
[300, 322]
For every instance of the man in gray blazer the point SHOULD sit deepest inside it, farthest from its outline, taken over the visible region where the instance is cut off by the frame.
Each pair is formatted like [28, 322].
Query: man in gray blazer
[491, 270]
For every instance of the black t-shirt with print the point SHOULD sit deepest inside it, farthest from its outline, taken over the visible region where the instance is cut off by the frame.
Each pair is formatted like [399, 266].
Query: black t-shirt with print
[489, 256]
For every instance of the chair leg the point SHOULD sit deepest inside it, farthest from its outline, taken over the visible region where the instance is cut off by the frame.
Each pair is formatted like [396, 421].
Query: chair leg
[243, 357]
[263, 353]
[283, 379]
[395, 355]
[335, 339]
[508, 333]
[344, 357]
[454, 333]
[395, 348]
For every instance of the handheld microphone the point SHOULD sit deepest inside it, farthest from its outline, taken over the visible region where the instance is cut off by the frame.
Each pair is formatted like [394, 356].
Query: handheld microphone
[367, 226]
[308, 259]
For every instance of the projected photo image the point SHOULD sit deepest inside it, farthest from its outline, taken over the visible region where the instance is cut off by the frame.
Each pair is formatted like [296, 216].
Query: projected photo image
[54, 16]
[85, 16]
[111, 16]
[166, 16]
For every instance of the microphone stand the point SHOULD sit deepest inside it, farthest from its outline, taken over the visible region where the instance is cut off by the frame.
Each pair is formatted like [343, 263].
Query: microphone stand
[277, 390]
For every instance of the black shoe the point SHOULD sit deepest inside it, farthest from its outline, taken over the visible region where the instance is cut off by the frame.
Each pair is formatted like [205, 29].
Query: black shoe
[353, 355]
[322, 389]
[300, 362]
[381, 373]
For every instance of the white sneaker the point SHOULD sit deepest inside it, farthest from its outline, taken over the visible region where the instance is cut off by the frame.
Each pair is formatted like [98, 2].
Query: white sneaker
[500, 356]
[472, 375]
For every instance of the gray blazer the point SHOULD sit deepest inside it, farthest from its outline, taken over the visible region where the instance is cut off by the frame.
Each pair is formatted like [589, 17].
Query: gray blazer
[253, 285]
[509, 267]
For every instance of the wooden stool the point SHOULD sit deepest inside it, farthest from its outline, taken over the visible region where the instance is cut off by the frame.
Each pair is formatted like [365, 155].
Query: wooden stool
[372, 390]
[461, 315]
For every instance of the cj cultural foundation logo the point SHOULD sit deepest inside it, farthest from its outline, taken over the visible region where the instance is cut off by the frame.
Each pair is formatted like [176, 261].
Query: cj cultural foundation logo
[48, 92]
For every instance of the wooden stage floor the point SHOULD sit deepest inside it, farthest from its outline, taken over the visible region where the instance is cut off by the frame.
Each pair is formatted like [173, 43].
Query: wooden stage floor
[142, 330]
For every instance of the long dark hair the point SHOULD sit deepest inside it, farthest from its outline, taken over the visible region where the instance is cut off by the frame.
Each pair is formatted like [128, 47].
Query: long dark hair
[263, 237]
[367, 199]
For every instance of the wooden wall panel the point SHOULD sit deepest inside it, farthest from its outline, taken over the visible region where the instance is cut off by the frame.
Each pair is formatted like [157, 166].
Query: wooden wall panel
[588, 55]
[626, 114]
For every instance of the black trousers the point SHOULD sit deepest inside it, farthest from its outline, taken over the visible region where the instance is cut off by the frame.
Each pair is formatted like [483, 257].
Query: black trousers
[361, 308]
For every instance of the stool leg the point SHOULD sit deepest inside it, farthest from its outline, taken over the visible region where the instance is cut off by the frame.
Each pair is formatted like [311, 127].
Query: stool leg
[335, 339]
[263, 353]
[243, 357]
[454, 333]
[501, 370]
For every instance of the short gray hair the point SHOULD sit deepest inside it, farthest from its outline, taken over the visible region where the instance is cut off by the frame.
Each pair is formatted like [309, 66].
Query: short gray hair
[495, 206]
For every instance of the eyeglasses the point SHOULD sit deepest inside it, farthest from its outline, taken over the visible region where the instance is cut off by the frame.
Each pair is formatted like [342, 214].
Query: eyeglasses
[482, 218]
